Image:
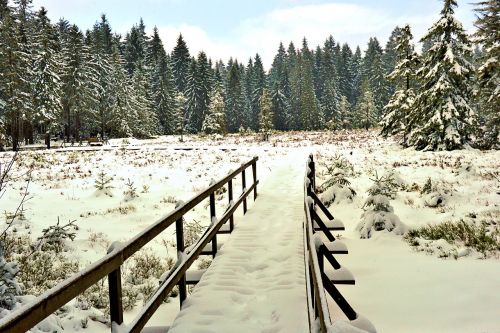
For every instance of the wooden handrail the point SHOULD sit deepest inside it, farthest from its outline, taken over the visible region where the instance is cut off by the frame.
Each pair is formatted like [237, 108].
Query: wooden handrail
[317, 294]
[316, 253]
[26, 317]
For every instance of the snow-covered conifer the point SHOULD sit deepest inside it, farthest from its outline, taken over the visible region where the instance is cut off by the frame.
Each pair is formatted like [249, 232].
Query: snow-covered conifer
[378, 213]
[179, 118]
[488, 35]
[398, 109]
[215, 120]
[47, 86]
[266, 115]
[443, 117]
[367, 110]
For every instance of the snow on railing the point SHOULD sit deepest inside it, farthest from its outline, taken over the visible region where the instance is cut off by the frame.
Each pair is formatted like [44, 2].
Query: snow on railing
[26, 317]
[320, 283]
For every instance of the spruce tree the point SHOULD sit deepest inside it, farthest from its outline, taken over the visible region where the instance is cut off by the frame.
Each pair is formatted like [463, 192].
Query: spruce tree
[15, 76]
[401, 103]
[488, 35]
[46, 81]
[389, 59]
[80, 82]
[280, 89]
[357, 76]
[330, 98]
[179, 117]
[234, 99]
[180, 64]
[373, 73]
[266, 115]
[215, 120]
[443, 117]
[258, 84]
[311, 117]
[367, 110]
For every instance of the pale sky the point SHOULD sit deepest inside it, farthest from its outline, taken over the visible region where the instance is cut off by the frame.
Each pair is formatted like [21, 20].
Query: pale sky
[224, 28]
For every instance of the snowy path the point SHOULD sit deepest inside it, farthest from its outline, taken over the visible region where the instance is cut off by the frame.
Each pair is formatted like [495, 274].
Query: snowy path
[258, 276]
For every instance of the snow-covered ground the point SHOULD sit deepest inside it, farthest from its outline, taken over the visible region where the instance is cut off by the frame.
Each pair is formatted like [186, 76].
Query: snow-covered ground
[397, 287]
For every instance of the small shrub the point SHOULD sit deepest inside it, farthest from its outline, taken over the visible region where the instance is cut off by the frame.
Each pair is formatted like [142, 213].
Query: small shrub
[204, 263]
[103, 182]
[470, 235]
[145, 264]
[427, 189]
[130, 192]
[54, 237]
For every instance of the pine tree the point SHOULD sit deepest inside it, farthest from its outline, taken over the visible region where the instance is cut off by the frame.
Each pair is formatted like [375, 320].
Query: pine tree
[357, 76]
[145, 124]
[15, 75]
[266, 115]
[344, 61]
[162, 83]
[330, 91]
[443, 117]
[180, 64]
[258, 85]
[311, 117]
[46, 81]
[401, 103]
[199, 85]
[280, 89]
[378, 213]
[367, 110]
[341, 119]
[79, 84]
[488, 35]
[179, 117]
[373, 73]
[215, 120]
[389, 59]
[123, 113]
[234, 99]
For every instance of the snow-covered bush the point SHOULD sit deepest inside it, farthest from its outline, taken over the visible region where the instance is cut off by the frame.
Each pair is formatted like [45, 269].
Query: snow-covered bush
[145, 264]
[457, 235]
[9, 287]
[337, 185]
[378, 213]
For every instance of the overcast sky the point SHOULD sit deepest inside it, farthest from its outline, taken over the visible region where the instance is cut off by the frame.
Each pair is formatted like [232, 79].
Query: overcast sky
[224, 28]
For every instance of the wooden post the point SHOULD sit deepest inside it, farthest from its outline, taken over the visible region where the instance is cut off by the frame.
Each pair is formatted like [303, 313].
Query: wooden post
[230, 195]
[115, 294]
[244, 186]
[213, 220]
[254, 172]
[179, 234]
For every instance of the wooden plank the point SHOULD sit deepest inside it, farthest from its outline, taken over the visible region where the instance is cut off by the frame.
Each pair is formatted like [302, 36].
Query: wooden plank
[157, 299]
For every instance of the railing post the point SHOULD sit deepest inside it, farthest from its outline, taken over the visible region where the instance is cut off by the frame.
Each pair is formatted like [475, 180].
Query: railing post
[244, 186]
[213, 220]
[179, 235]
[115, 294]
[254, 172]
[230, 195]
[313, 172]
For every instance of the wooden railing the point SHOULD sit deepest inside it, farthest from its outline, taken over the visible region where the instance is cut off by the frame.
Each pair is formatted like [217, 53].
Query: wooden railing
[319, 283]
[27, 317]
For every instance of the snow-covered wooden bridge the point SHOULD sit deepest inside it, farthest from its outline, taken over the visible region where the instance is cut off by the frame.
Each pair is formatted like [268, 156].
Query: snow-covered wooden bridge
[269, 276]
